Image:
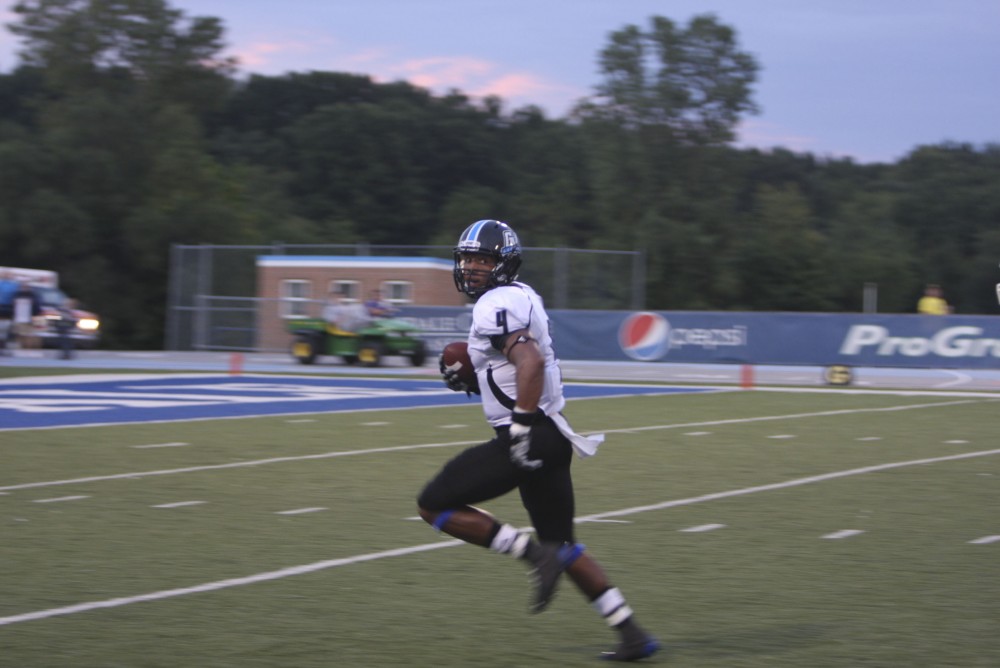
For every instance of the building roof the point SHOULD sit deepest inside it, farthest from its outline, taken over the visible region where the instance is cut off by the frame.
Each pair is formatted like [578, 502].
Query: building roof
[354, 262]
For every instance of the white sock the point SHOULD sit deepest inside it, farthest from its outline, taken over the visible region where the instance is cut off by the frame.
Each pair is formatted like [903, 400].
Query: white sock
[611, 605]
[510, 541]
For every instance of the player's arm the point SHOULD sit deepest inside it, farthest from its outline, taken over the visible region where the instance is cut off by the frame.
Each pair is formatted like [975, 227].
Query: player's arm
[524, 353]
[529, 364]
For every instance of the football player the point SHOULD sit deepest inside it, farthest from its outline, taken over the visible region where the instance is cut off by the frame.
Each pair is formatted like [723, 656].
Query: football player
[519, 380]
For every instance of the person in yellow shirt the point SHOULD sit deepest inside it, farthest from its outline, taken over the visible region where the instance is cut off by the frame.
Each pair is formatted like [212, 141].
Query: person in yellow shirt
[932, 303]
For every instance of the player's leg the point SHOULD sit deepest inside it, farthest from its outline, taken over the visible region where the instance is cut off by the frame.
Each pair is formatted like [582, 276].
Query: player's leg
[547, 495]
[465, 523]
[608, 601]
[549, 499]
[478, 474]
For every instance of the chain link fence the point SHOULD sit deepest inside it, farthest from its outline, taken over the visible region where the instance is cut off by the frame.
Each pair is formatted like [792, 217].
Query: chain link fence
[213, 297]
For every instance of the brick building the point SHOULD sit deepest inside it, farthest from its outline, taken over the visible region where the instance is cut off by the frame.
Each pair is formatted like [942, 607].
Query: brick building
[296, 286]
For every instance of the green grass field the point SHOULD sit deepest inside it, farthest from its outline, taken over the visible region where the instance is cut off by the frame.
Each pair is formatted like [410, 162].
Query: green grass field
[231, 582]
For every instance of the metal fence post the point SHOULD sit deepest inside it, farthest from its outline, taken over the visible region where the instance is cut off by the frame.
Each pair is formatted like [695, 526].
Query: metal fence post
[200, 333]
[560, 277]
[639, 280]
[171, 334]
[203, 288]
[869, 298]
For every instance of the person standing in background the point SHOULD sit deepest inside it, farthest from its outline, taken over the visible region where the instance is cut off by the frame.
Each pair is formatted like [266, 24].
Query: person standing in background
[26, 309]
[64, 327]
[933, 303]
[8, 287]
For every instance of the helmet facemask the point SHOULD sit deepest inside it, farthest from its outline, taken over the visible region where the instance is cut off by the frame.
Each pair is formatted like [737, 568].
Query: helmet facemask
[503, 273]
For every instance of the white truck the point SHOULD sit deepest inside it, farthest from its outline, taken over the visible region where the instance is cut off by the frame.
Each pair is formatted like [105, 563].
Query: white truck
[45, 284]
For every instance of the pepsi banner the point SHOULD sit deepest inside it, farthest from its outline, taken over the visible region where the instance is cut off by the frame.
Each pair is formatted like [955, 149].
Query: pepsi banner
[814, 339]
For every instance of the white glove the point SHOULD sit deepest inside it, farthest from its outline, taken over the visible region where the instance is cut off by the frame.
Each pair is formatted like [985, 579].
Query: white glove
[520, 444]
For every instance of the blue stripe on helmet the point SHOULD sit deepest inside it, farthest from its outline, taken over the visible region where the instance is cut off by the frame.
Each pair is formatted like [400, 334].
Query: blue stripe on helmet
[476, 228]
[470, 241]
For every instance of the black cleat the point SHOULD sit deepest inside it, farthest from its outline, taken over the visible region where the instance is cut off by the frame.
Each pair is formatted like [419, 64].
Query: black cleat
[547, 565]
[641, 648]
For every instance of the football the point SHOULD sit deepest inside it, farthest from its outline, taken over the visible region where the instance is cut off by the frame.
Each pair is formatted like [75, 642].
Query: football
[456, 356]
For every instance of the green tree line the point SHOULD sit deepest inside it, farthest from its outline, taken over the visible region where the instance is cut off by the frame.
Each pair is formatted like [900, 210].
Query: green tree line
[124, 129]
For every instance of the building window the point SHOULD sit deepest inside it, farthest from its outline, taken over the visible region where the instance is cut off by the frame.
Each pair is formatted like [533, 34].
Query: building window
[397, 292]
[295, 297]
[349, 290]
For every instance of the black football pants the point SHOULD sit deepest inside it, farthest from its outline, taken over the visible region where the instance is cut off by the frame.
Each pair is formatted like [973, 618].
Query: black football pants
[485, 472]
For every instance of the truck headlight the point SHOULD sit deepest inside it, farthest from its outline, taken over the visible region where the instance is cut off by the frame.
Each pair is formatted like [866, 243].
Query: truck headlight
[89, 324]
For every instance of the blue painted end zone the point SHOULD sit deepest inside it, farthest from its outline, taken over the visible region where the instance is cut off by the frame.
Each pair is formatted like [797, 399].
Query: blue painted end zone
[73, 403]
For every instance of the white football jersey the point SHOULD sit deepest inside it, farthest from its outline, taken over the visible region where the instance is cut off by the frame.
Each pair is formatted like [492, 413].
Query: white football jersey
[498, 312]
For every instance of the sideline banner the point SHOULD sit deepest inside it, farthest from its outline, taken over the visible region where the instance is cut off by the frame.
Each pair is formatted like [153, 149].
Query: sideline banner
[814, 339]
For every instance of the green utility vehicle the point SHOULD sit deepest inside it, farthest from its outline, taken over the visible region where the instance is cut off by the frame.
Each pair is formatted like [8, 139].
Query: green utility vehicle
[383, 337]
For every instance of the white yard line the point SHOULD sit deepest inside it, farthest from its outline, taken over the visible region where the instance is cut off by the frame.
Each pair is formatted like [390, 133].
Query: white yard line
[403, 551]
[62, 498]
[300, 511]
[701, 528]
[403, 448]
[233, 465]
[223, 584]
[179, 504]
[985, 394]
[793, 416]
[792, 483]
[843, 533]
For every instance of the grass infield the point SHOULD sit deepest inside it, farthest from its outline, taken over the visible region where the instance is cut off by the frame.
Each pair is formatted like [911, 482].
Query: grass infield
[847, 536]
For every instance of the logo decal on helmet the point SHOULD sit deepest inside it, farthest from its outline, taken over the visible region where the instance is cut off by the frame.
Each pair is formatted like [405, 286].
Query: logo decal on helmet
[509, 241]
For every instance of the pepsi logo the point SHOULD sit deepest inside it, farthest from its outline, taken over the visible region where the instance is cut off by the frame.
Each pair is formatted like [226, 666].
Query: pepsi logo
[644, 336]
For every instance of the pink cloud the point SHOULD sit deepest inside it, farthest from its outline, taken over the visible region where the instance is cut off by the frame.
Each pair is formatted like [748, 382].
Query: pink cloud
[257, 55]
[475, 77]
[767, 136]
[481, 78]
[271, 57]
[439, 73]
[513, 85]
